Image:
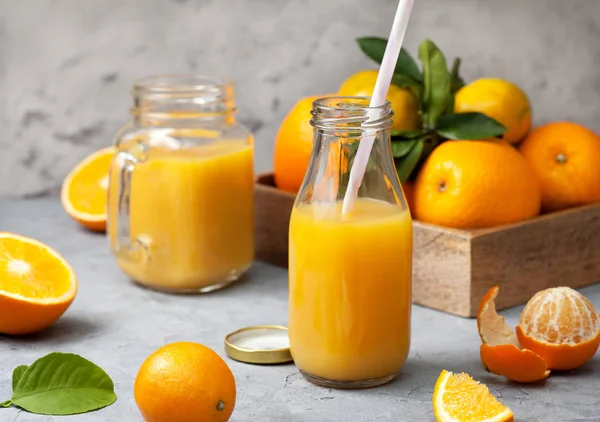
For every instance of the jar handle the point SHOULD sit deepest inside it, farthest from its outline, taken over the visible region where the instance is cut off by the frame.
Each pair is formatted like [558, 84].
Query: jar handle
[126, 246]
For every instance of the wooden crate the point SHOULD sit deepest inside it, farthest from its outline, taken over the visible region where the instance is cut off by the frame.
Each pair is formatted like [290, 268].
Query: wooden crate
[453, 269]
[272, 209]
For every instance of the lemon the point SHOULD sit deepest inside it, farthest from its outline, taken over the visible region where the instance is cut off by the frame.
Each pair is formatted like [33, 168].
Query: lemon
[501, 100]
[404, 104]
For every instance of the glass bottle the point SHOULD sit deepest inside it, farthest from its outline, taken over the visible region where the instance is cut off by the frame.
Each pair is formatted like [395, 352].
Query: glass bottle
[180, 201]
[350, 273]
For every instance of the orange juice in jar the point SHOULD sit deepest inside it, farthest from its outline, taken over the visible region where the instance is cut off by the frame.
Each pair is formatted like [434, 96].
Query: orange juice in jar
[180, 201]
[350, 272]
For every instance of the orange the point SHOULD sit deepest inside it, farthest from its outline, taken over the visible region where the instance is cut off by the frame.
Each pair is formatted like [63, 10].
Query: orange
[500, 350]
[37, 285]
[293, 146]
[475, 184]
[501, 100]
[185, 382]
[409, 192]
[404, 104]
[562, 326]
[459, 398]
[84, 190]
[565, 157]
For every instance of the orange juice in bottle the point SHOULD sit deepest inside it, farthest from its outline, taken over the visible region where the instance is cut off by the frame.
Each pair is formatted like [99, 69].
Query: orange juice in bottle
[350, 272]
[180, 203]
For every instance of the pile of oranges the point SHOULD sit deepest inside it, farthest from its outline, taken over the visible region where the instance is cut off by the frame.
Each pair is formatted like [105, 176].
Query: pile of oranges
[470, 184]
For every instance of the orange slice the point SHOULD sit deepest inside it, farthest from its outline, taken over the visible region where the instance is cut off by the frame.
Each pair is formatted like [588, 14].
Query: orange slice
[501, 352]
[459, 398]
[562, 326]
[84, 190]
[36, 285]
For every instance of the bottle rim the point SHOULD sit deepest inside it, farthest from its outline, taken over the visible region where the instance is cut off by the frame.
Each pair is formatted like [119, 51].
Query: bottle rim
[350, 114]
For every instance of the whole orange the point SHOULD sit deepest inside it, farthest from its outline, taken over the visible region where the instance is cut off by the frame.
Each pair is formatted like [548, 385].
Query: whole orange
[474, 184]
[185, 382]
[501, 100]
[293, 146]
[565, 157]
[562, 326]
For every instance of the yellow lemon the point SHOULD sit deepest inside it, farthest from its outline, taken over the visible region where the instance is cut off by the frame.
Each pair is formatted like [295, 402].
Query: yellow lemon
[404, 104]
[501, 100]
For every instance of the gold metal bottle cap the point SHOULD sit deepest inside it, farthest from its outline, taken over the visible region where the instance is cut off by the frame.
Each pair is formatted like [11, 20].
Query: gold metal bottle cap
[264, 344]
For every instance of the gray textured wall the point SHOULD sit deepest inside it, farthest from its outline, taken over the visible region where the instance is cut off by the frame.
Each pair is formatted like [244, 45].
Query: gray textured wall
[66, 66]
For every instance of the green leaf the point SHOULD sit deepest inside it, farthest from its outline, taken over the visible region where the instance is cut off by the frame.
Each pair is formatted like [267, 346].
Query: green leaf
[401, 148]
[406, 164]
[5, 404]
[63, 384]
[436, 81]
[17, 374]
[457, 82]
[469, 126]
[406, 82]
[404, 134]
[403, 81]
[374, 48]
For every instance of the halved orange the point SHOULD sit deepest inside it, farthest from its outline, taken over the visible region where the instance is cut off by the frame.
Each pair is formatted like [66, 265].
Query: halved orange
[37, 285]
[458, 398]
[84, 190]
[501, 352]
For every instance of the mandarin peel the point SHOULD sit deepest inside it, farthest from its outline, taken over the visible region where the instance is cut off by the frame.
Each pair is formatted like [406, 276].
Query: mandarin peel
[524, 365]
[500, 351]
[492, 327]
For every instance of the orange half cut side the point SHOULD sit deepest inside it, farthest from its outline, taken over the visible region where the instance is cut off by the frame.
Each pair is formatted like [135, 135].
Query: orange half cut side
[37, 285]
[84, 190]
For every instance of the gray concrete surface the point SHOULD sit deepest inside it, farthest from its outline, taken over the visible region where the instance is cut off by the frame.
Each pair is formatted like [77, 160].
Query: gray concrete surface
[117, 325]
[66, 66]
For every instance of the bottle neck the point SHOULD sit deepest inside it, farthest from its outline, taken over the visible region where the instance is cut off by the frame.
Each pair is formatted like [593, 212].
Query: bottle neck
[350, 117]
[340, 125]
[183, 101]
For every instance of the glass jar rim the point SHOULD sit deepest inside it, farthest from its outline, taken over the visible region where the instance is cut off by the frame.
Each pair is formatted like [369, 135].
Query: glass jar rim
[180, 82]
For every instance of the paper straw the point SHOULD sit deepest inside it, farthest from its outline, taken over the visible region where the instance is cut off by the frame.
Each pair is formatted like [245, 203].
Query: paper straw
[384, 78]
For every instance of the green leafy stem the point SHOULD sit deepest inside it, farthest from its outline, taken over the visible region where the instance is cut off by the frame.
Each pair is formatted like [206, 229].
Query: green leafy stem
[435, 87]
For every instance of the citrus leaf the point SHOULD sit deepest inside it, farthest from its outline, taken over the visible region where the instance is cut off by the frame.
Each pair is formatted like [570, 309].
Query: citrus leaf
[457, 82]
[406, 164]
[468, 126]
[63, 384]
[406, 82]
[436, 82]
[401, 148]
[404, 134]
[17, 374]
[374, 48]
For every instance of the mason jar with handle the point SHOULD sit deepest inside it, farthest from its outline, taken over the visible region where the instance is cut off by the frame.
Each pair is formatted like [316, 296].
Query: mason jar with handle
[180, 198]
